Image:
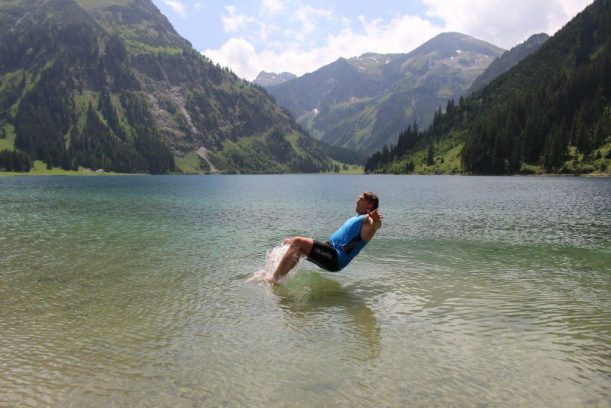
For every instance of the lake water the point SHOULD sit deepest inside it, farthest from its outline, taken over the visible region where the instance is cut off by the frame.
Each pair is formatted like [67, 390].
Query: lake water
[477, 291]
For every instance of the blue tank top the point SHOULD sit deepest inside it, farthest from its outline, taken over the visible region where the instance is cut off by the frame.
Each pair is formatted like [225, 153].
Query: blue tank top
[347, 240]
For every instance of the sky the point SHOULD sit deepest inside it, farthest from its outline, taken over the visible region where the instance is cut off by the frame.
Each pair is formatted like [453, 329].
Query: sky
[300, 36]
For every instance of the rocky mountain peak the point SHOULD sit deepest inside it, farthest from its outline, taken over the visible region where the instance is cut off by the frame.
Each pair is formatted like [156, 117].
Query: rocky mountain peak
[271, 78]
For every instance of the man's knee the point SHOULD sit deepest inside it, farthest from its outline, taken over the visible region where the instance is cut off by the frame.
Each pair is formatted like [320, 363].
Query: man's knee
[301, 244]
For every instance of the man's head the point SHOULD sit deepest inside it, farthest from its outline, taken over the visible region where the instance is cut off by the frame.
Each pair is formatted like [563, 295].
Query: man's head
[367, 202]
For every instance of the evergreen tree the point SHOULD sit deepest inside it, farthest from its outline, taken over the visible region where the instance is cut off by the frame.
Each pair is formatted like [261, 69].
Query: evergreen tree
[554, 152]
[429, 154]
[15, 160]
[109, 112]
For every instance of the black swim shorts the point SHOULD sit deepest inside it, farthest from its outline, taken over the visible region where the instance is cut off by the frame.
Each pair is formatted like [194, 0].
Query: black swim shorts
[325, 256]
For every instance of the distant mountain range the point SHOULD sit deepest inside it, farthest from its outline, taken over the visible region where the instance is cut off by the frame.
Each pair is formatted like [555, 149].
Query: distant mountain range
[550, 113]
[110, 84]
[270, 78]
[363, 103]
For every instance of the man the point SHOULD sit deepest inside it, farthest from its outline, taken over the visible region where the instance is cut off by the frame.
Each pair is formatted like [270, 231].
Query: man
[342, 246]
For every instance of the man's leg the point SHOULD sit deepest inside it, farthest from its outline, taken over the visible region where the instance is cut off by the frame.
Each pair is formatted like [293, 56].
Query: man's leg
[298, 246]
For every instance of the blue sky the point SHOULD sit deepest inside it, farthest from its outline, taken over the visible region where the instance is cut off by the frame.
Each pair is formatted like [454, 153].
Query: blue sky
[300, 36]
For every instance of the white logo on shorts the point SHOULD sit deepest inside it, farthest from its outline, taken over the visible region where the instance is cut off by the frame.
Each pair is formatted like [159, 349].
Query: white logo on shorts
[323, 253]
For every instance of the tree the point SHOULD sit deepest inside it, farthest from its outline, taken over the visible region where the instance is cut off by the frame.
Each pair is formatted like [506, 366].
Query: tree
[430, 150]
[409, 167]
[554, 152]
[15, 160]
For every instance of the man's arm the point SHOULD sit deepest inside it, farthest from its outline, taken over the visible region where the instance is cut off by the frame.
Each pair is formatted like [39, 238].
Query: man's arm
[371, 223]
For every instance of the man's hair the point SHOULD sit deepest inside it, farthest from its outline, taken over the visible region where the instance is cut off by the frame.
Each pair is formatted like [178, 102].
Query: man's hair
[372, 199]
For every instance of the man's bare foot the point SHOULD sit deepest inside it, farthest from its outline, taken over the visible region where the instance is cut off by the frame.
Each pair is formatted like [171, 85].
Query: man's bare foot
[271, 280]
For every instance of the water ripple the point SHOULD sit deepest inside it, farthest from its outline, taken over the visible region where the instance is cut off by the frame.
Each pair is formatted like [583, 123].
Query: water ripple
[131, 291]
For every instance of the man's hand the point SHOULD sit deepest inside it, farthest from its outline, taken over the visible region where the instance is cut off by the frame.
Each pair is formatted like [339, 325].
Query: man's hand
[376, 217]
[371, 224]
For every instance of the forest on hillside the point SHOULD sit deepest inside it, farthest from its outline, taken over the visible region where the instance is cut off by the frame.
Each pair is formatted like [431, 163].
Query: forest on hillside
[559, 121]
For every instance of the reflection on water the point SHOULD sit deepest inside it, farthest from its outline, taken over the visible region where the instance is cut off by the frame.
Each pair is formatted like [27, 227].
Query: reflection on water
[478, 291]
[307, 293]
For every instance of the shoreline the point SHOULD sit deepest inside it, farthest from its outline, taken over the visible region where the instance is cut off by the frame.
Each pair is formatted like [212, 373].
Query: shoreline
[66, 173]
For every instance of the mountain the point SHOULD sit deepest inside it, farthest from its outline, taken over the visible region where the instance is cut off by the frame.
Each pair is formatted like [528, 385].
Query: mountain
[508, 60]
[110, 84]
[362, 103]
[270, 78]
[551, 113]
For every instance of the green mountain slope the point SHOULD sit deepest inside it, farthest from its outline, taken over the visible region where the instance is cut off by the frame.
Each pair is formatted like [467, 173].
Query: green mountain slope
[109, 84]
[508, 60]
[363, 103]
[550, 113]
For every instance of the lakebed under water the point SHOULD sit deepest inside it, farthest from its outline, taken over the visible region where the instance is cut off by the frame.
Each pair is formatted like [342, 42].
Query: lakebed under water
[477, 291]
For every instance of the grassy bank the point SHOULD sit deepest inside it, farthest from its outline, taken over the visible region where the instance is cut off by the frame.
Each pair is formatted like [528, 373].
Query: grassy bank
[40, 169]
[445, 158]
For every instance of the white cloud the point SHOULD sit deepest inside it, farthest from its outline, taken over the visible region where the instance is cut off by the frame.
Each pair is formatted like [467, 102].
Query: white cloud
[265, 31]
[272, 7]
[504, 23]
[308, 15]
[239, 55]
[277, 45]
[401, 34]
[198, 5]
[177, 6]
[233, 22]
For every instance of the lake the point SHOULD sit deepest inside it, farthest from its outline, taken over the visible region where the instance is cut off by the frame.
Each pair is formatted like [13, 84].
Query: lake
[477, 291]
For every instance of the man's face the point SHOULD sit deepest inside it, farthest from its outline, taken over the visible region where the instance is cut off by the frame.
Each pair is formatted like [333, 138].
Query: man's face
[362, 205]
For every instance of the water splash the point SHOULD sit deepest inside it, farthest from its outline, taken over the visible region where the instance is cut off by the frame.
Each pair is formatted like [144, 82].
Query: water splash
[272, 259]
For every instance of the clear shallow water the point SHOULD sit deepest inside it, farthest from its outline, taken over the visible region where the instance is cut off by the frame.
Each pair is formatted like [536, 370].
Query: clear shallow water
[478, 291]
